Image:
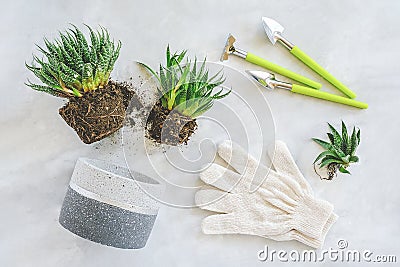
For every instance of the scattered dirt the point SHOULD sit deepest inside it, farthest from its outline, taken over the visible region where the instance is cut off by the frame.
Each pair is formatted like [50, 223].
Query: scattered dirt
[168, 127]
[100, 113]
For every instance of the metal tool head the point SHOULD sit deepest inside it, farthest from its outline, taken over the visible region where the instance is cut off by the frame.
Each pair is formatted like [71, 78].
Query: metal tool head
[266, 79]
[272, 28]
[229, 48]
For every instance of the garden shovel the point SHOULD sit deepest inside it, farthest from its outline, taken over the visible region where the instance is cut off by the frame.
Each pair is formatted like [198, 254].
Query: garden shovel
[274, 31]
[268, 81]
[250, 57]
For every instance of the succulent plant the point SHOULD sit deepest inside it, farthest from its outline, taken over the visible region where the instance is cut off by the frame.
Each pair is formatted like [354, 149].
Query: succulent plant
[71, 66]
[187, 89]
[339, 152]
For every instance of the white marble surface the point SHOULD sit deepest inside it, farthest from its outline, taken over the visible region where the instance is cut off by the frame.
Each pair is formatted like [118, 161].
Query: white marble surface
[358, 41]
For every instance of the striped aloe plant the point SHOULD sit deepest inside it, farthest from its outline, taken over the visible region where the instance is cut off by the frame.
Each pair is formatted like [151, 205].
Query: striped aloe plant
[340, 151]
[70, 66]
[187, 88]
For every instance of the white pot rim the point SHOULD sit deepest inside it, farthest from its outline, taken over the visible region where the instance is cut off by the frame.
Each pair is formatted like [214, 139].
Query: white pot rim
[93, 163]
[116, 185]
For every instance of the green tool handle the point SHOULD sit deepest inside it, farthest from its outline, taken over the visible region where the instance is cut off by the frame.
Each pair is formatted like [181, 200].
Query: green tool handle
[281, 70]
[327, 96]
[321, 71]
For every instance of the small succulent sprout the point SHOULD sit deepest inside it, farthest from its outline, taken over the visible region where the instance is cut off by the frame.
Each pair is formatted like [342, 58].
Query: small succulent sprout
[71, 67]
[188, 88]
[339, 152]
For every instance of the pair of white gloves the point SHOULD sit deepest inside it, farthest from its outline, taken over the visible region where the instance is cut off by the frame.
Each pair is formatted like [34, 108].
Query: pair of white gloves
[282, 208]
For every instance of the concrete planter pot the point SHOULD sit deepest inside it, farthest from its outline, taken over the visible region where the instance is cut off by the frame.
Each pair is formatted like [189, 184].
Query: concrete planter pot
[105, 204]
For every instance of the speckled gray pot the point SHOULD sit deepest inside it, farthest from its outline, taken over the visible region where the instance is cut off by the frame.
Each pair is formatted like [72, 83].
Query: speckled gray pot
[105, 204]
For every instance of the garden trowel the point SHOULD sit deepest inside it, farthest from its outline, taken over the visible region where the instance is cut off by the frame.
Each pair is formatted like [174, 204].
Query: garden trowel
[250, 57]
[274, 31]
[268, 81]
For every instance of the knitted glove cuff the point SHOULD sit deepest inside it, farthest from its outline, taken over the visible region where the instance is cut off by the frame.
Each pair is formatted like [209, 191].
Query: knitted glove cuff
[311, 215]
[316, 242]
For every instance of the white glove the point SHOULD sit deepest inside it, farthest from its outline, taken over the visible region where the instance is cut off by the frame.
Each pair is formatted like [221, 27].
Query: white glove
[283, 208]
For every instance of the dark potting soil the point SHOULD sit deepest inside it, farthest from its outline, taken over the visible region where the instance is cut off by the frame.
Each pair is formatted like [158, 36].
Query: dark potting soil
[100, 113]
[169, 127]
